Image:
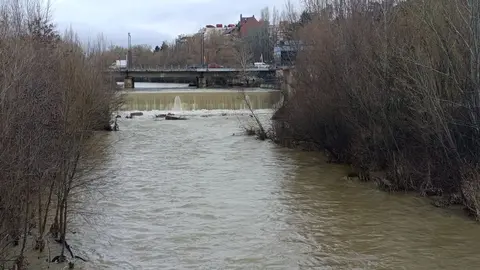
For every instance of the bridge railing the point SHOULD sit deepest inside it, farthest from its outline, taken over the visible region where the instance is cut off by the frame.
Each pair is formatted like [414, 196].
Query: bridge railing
[159, 68]
[151, 68]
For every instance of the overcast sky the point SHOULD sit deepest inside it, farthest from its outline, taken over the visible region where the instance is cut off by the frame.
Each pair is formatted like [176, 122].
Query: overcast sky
[150, 21]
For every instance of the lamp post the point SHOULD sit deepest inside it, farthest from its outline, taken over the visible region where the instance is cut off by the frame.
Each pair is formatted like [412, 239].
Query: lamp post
[129, 81]
[129, 52]
[202, 48]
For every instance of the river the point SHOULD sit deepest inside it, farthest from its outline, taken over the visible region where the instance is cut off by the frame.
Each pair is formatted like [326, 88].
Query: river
[198, 194]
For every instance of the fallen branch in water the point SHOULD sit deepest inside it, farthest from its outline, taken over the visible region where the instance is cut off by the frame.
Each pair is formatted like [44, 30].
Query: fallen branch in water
[63, 258]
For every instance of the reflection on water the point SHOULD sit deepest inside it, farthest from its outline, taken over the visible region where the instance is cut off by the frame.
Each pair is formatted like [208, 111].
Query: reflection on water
[189, 195]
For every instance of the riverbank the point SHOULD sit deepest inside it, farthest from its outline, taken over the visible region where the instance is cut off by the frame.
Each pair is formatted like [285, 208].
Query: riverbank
[382, 178]
[36, 260]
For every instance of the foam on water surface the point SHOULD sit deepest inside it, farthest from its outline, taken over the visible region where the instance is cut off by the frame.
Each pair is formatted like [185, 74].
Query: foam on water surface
[152, 113]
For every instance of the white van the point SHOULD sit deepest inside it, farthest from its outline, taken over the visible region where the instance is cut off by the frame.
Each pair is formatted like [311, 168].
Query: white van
[260, 65]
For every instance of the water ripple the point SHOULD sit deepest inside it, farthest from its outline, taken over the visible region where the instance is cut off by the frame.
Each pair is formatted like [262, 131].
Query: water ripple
[189, 195]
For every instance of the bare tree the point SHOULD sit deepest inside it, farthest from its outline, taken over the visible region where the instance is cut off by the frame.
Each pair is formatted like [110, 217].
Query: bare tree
[244, 59]
[391, 87]
[53, 95]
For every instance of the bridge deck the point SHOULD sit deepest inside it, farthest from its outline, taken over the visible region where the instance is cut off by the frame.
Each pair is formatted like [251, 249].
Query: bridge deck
[150, 70]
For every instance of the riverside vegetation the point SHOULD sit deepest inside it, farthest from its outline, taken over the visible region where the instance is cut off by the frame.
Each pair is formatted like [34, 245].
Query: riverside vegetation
[53, 97]
[392, 88]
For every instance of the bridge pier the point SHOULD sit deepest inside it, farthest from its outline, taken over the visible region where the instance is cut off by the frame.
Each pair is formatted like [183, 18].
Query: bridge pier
[129, 82]
[287, 81]
[201, 82]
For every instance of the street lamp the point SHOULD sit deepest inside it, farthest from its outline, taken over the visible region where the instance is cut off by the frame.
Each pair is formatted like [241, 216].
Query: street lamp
[202, 48]
[129, 52]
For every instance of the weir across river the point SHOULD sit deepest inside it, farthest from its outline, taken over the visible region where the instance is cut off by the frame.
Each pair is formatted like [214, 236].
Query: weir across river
[201, 100]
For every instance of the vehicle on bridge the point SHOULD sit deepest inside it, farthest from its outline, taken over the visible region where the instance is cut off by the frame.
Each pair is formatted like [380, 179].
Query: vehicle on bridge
[119, 64]
[261, 65]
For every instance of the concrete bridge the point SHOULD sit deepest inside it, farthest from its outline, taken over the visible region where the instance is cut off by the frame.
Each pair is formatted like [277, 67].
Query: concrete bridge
[199, 74]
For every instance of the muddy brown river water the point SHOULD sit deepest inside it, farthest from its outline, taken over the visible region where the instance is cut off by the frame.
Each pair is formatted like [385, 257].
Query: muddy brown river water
[191, 195]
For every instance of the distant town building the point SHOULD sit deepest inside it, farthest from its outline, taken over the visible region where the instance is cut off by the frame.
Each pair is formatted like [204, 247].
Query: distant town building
[218, 28]
[244, 26]
[286, 49]
[248, 24]
[285, 52]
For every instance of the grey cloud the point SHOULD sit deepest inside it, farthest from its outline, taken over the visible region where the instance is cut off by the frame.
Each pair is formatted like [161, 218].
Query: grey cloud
[117, 35]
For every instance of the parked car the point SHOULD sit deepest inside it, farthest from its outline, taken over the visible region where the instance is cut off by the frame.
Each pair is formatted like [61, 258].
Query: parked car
[119, 64]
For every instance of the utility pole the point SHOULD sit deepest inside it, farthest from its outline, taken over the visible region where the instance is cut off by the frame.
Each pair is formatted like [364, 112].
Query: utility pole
[129, 52]
[202, 48]
[129, 81]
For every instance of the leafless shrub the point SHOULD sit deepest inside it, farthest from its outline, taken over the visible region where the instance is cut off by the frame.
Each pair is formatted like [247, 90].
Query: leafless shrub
[244, 57]
[392, 86]
[53, 94]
